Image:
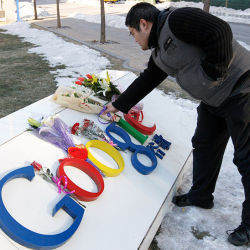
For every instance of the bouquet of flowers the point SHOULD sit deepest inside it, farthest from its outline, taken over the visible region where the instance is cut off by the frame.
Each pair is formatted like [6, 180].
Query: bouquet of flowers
[77, 100]
[90, 130]
[102, 87]
[54, 131]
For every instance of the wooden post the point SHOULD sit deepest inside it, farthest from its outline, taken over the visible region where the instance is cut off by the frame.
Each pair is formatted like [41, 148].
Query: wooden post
[102, 38]
[206, 5]
[35, 10]
[58, 14]
[226, 3]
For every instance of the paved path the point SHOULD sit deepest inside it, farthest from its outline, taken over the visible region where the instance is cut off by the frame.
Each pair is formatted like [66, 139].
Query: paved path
[121, 44]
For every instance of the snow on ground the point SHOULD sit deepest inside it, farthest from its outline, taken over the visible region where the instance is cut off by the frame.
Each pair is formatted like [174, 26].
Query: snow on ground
[117, 21]
[179, 226]
[26, 10]
[79, 59]
[227, 14]
[112, 20]
[85, 2]
[244, 45]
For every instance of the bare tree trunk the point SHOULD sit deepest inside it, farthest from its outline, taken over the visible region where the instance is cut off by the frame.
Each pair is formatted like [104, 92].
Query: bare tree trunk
[206, 5]
[58, 14]
[102, 39]
[35, 10]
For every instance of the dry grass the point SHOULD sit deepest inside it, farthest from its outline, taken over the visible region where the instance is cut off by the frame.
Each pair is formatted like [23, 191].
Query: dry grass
[24, 77]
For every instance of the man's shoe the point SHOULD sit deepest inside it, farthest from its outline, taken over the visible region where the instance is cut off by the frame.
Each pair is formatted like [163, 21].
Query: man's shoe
[240, 236]
[183, 201]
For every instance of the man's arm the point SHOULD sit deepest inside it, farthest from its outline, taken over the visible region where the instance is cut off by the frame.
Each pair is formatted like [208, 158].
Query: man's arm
[211, 34]
[149, 79]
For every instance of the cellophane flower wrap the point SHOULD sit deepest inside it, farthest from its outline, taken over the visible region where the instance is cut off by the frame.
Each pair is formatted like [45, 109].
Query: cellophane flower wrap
[57, 133]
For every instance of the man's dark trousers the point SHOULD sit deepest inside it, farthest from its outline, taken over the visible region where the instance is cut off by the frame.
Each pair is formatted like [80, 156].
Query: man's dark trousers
[214, 127]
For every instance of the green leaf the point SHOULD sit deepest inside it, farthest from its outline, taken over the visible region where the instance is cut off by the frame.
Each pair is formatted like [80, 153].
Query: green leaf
[34, 123]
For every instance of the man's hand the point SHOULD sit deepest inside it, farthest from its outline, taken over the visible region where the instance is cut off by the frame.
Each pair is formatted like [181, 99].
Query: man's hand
[110, 108]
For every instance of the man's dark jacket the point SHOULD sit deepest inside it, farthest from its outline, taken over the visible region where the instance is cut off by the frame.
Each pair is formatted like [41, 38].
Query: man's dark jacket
[195, 27]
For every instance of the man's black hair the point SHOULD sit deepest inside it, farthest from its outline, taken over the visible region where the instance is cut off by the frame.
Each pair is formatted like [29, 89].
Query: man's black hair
[140, 11]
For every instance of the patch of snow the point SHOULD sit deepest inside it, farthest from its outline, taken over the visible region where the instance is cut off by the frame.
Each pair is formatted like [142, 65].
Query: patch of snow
[117, 21]
[26, 10]
[78, 59]
[112, 20]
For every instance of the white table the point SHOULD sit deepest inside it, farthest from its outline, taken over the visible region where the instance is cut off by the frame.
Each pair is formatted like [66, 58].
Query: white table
[127, 214]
